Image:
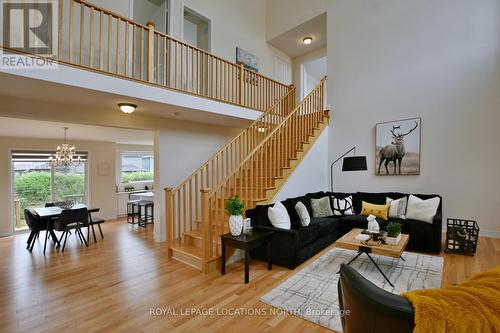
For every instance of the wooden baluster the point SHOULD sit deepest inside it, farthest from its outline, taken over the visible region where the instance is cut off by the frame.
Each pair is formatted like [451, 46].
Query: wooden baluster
[151, 50]
[127, 36]
[168, 219]
[117, 55]
[91, 38]
[240, 87]
[70, 39]
[110, 40]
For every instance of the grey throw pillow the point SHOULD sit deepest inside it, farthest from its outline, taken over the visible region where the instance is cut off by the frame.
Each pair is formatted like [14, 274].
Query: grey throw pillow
[301, 210]
[321, 207]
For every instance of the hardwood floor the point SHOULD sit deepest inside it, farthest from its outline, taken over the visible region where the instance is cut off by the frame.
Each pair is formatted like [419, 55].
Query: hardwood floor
[113, 284]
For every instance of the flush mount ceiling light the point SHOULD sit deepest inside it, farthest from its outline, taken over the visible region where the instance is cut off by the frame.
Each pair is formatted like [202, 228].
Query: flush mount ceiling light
[307, 40]
[127, 107]
[261, 129]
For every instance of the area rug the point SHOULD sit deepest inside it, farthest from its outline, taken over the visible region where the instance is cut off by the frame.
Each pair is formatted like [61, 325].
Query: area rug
[312, 294]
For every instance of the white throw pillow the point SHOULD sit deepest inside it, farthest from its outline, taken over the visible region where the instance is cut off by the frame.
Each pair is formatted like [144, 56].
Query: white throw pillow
[397, 208]
[342, 207]
[301, 210]
[279, 216]
[422, 210]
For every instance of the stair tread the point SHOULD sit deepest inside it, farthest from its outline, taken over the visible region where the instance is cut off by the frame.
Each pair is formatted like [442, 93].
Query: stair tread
[191, 250]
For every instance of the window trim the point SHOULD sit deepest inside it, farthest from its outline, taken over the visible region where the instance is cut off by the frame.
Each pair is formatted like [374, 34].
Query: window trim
[120, 153]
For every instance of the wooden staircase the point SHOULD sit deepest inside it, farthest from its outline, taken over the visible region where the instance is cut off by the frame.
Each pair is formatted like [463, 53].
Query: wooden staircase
[254, 165]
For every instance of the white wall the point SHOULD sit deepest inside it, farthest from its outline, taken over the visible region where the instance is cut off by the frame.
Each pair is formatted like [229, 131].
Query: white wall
[283, 15]
[311, 175]
[179, 151]
[121, 7]
[234, 23]
[439, 60]
[101, 188]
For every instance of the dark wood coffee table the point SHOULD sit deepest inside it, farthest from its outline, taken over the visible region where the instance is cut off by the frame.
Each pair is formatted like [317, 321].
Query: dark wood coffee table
[246, 242]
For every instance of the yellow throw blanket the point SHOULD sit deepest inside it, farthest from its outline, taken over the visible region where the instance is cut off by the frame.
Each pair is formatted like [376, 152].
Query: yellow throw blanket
[473, 306]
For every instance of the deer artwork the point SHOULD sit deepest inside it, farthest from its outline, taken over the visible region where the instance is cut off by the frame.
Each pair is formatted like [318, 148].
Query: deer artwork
[395, 151]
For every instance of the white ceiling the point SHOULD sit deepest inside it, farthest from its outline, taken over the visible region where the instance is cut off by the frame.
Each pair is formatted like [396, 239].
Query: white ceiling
[71, 98]
[25, 128]
[316, 68]
[291, 43]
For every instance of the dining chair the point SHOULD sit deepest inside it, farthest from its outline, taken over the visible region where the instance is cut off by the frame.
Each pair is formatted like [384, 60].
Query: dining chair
[72, 219]
[35, 224]
[93, 220]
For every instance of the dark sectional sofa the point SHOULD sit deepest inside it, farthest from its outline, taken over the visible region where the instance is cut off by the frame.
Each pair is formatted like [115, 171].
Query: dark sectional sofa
[293, 247]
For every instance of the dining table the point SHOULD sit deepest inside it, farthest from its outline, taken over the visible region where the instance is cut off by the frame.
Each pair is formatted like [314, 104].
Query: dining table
[48, 214]
[55, 211]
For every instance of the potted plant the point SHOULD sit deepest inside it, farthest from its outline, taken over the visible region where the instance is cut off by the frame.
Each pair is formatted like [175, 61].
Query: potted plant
[234, 207]
[393, 233]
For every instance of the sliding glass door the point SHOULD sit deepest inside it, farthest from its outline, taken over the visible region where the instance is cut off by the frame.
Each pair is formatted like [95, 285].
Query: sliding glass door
[36, 183]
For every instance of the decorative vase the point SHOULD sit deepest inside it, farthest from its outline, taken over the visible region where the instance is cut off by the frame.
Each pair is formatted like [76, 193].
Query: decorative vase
[393, 240]
[235, 224]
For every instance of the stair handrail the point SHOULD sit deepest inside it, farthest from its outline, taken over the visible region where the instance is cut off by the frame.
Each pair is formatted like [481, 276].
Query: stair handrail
[100, 40]
[320, 85]
[282, 143]
[290, 94]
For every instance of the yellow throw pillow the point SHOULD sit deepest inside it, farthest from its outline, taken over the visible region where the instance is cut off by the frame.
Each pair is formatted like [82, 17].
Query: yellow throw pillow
[380, 211]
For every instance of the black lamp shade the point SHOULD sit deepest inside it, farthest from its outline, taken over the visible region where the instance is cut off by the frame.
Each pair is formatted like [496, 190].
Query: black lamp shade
[354, 163]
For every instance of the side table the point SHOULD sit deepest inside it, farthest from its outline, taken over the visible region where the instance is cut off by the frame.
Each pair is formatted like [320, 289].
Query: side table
[246, 242]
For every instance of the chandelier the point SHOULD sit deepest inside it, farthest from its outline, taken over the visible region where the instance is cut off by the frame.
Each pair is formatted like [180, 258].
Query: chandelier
[64, 155]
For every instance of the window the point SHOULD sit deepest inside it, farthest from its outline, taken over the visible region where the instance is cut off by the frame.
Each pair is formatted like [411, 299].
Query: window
[36, 183]
[137, 166]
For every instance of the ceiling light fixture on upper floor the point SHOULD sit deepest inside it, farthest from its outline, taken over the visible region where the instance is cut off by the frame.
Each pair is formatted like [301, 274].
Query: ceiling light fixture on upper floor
[307, 40]
[127, 107]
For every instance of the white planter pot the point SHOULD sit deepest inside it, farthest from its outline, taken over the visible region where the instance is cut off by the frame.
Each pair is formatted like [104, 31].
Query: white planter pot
[235, 224]
[393, 240]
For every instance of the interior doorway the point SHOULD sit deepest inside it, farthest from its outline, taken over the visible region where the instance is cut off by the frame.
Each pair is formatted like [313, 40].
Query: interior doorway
[156, 11]
[196, 29]
[312, 71]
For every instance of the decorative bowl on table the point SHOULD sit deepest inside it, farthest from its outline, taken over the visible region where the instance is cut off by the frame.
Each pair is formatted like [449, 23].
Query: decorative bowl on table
[66, 204]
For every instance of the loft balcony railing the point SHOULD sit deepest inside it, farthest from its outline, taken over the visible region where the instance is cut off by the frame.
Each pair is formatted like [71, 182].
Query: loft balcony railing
[97, 39]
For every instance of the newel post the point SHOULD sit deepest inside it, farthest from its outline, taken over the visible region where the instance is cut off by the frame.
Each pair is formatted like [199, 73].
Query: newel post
[151, 51]
[205, 228]
[168, 219]
[240, 88]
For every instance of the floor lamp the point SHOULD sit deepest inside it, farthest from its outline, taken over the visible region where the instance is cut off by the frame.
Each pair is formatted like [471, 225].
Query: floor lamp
[352, 163]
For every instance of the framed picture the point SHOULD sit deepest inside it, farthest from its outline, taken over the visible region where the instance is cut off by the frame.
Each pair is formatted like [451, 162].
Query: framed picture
[397, 147]
[248, 60]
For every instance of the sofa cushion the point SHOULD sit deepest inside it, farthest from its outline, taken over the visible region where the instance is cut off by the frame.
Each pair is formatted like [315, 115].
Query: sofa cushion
[342, 206]
[421, 234]
[354, 221]
[318, 228]
[307, 235]
[321, 207]
[422, 210]
[374, 198]
[301, 210]
[294, 216]
[278, 215]
[380, 211]
[260, 216]
[327, 225]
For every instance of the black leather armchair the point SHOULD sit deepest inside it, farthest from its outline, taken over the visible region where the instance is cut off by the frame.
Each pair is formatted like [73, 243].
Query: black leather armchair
[370, 309]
